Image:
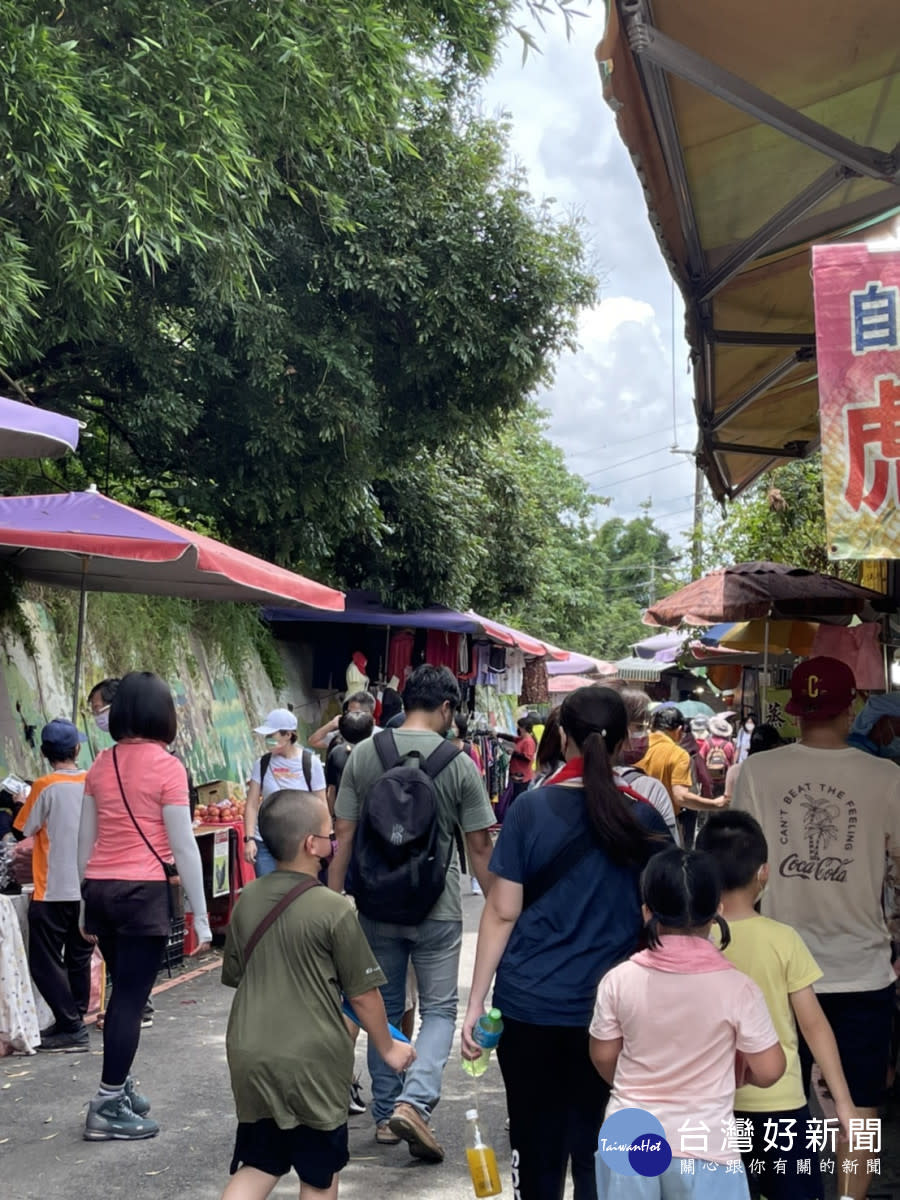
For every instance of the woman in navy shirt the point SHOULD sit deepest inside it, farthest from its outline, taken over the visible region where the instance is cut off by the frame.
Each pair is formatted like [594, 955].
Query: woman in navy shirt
[563, 909]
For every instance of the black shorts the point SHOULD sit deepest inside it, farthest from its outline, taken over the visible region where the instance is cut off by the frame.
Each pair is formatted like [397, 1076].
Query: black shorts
[134, 908]
[785, 1183]
[315, 1154]
[862, 1024]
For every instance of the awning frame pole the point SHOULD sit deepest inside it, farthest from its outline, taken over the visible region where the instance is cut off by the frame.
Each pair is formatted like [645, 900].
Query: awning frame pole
[753, 246]
[768, 381]
[669, 55]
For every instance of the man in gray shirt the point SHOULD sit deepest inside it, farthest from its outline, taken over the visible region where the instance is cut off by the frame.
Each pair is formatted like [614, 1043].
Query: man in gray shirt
[402, 1110]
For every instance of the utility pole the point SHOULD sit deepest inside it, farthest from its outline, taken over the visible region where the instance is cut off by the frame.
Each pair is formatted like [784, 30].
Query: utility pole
[652, 585]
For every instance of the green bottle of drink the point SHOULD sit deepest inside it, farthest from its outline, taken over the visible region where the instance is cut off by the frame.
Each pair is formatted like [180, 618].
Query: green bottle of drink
[486, 1034]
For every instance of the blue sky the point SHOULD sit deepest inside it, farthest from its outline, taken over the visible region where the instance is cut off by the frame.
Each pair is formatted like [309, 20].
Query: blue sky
[613, 403]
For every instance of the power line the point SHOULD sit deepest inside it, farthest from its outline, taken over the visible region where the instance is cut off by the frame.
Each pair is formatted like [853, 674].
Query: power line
[631, 478]
[642, 437]
[624, 462]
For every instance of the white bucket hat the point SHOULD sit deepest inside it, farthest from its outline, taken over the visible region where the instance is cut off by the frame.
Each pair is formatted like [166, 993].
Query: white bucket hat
[278, 719]
[719, 727]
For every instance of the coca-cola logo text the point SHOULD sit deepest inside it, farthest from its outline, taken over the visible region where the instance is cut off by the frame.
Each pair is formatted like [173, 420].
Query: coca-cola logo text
[832, 870]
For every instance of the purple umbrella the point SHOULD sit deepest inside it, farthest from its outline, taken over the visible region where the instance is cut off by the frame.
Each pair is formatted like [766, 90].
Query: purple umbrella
[29, 432]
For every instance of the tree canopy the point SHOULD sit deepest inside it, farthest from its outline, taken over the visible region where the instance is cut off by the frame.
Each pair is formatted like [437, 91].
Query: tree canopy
[275, 259]
[780, 519]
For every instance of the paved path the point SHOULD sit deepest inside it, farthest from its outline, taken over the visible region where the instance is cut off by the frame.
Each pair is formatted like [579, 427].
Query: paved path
[181, 1066]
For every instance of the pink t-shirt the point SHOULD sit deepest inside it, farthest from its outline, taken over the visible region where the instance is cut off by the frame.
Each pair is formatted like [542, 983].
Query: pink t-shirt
[151, 778]
[670, 1067]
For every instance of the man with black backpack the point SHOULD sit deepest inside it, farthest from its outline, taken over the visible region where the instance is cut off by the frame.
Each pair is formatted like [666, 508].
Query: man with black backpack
[407, 797]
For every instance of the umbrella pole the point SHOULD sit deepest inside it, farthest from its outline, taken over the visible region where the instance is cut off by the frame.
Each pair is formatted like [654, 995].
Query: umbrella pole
[765, 686]
[79, 644]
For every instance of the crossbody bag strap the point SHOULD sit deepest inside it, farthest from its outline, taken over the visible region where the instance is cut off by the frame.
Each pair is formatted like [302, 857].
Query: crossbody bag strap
[549, 876]
[169, 869]
[272, 916]
[306, 763]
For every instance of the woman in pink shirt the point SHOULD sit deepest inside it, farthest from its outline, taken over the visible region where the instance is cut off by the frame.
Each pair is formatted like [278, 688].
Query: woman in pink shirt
[135, 821]
[685, 1081]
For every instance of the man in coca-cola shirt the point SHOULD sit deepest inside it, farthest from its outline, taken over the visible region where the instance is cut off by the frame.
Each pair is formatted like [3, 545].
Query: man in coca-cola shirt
[828, 812]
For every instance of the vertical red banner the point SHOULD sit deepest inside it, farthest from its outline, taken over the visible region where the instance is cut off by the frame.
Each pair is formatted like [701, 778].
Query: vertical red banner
[857, 295]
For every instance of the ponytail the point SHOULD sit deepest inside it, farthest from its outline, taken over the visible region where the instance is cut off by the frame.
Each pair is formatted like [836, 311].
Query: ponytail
[619, 832]
[595, 719]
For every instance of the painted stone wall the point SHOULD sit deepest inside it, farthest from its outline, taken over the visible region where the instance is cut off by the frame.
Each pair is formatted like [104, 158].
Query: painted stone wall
[216, 711]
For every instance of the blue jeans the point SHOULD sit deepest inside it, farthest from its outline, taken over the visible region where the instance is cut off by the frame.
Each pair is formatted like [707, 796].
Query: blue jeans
[265, 864]
[434, 948]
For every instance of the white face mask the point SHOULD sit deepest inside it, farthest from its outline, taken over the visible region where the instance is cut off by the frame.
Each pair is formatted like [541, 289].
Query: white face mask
[763, 885]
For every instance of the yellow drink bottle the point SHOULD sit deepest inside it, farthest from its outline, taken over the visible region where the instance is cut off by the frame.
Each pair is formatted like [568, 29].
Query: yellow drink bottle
[481, 1159]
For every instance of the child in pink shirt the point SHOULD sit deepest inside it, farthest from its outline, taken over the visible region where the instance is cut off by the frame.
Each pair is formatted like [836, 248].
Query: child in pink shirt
[681, 1070]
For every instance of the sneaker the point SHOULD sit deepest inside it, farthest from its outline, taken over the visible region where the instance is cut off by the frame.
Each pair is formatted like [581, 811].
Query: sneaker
[410, 1125]
[476, 887]
[115, 1120]
[147, 1019]
[357, 1104]
[384, 1136]
[66, 1043]
[49, 1031]
[140, 1105]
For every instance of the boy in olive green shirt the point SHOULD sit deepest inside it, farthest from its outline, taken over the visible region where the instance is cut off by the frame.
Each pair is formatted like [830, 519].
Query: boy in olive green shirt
[290, 1059]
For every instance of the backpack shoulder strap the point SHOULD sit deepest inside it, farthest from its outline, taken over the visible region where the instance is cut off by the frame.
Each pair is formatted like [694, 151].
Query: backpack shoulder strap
[632, 794]
[386, 746]
[274, 913]
[306, 760]
[440, 758]
[263, 768]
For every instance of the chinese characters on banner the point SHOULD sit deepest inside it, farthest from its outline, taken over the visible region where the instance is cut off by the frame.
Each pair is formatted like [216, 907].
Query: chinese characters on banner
[857, 294]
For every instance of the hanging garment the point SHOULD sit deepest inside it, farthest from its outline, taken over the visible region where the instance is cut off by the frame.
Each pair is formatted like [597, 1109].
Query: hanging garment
[442, 649]
[400, 656]
[859, 647]
[534, 683]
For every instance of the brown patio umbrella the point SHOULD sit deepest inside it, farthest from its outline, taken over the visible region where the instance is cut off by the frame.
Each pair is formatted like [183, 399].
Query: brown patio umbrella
[746, 591]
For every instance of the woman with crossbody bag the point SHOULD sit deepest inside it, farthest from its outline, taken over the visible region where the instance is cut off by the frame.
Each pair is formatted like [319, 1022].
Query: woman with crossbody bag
[563, 908]
[136, 849]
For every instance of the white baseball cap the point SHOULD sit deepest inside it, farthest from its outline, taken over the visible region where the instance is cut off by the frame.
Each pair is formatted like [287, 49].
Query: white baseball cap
[278, 719]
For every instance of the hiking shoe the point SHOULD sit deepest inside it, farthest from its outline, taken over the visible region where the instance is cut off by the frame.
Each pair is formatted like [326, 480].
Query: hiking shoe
[140, 1105]
[357, 1105]
[115, 1120]
[66, 1043]
[384, 1136]
[411, 1126]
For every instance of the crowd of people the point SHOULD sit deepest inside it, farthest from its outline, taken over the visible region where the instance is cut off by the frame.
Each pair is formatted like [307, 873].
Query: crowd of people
[680, 917]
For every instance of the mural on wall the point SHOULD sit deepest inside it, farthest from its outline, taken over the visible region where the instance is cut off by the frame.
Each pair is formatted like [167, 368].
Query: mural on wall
[216, 713]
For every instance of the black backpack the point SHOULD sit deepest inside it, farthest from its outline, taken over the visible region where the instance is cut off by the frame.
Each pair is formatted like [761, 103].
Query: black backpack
[398, 871]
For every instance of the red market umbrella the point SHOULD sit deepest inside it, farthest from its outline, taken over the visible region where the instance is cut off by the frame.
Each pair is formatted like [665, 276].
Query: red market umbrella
[86, 541]
[747, 591]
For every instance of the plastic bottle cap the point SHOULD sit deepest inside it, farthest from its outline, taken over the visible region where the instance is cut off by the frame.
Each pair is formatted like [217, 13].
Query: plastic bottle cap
[472, 1114]
[495, 1014]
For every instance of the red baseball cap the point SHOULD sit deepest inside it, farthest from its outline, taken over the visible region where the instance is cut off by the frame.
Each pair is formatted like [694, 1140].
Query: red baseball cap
[821, 688]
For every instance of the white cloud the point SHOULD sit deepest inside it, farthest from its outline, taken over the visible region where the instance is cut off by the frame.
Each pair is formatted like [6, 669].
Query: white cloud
[612, 401]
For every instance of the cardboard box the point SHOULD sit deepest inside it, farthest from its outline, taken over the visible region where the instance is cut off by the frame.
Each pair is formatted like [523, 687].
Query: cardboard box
[217, 791]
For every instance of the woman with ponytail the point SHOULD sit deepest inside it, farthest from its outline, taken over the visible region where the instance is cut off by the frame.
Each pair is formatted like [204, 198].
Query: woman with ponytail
[686, 1083]
[563, 908]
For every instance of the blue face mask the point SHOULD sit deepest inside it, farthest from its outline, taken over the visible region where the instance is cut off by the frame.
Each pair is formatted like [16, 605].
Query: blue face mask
[891, 750]
[101, 720]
